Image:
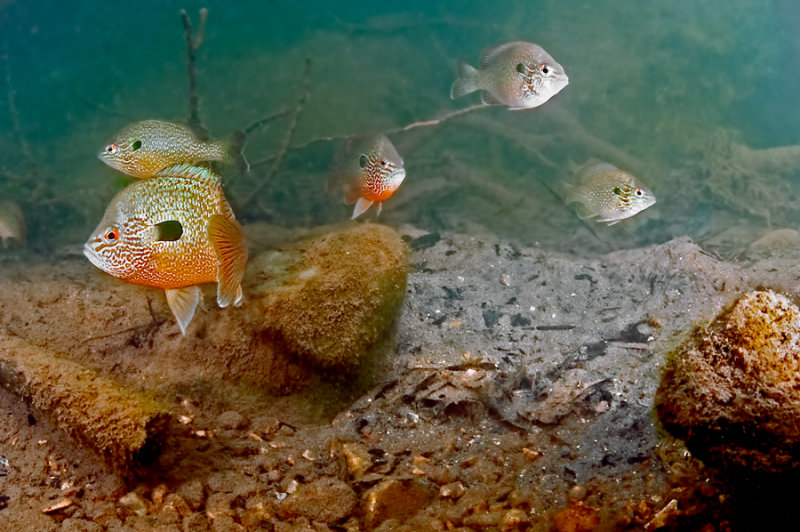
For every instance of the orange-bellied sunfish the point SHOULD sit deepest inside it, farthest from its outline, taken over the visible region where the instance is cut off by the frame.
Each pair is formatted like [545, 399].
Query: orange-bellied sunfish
[173, 231]
[368, 170]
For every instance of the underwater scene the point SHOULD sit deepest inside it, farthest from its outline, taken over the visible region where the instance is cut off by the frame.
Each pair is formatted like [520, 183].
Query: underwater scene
[341, 266]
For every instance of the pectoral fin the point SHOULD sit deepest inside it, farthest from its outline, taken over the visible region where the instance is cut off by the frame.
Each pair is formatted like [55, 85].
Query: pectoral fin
[183, 302]
[229, 245]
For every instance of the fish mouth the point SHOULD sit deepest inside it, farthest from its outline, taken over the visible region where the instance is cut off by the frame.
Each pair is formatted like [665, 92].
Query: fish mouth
[398, 176]
[91, 254]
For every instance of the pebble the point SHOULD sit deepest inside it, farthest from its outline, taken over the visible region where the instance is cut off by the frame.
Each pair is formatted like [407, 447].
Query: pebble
[357, 458]
[192, 493]
[395, 499]
[134, 502]
[232, 420]
[328, 500]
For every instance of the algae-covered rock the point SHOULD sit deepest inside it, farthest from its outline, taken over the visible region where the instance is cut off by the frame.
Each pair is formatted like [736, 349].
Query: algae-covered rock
[732, 390]
[339, 297]
[121, 424]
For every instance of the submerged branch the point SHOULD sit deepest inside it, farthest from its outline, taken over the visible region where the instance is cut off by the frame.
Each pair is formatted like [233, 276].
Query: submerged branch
[193, 43]
[287, 138]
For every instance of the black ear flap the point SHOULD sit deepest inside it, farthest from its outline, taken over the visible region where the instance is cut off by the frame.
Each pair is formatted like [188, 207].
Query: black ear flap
[170, 230]
[362, 161]
[136, 145]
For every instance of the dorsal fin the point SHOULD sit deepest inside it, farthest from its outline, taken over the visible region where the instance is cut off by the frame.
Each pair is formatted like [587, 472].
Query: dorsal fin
[490, 53]
[229, 245]
[189, 171]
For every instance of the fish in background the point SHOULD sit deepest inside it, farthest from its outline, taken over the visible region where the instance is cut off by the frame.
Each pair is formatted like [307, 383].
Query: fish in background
[367, 170]
[142, 149]
[603, 191]
[174, 231]
[521, 75]
[12, 223]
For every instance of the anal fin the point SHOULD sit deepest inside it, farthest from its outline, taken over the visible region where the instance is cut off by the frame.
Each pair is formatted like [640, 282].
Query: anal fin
[361, 206]
[183, 303]
[490, 99]
[229, 245]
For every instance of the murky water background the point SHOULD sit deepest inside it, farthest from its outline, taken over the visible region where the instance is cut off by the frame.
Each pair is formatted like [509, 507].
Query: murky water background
[671, 91]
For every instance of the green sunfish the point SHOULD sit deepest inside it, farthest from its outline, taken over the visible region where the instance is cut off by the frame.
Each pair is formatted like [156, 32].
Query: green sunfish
[143, 149]
[174, 231]
[518, 74]
[605, 192]
[367, 170]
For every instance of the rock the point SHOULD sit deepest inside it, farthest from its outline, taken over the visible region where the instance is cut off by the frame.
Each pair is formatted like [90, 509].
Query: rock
[731, 390]
[196, 522]
[72, 524]
[134, 503]
[232, 420]
[192, 493]
[775, 240]
[576, 517]
[395, 499]
[357, 459]
[328, 500]
[340, 296]
[514, 519]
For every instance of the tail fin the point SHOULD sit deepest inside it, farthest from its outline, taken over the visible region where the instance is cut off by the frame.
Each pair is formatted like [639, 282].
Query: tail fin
[234, 151]
[466, 82]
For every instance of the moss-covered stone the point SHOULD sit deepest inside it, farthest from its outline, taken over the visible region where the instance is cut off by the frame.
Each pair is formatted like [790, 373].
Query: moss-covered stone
[732, 390]
[339, 296]
[118, 422]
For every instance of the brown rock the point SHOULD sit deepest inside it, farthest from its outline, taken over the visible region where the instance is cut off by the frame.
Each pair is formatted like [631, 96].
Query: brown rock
[232, 420]
[395, 499]
[357, 459]
[576, 518]
[192, 493]
[195, 522]
[514, 519]
[328, 500]
[731, 390]
[340, 297]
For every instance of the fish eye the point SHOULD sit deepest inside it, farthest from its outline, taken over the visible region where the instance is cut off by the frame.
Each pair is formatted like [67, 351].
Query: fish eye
[639, 192]
[111, 235]
[383, 162]
[362, 161]
[545, 68]
[136, 145]
[111, 149]
[520, 68]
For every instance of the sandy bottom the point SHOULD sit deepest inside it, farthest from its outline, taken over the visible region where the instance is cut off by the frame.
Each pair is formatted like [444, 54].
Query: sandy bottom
[515, 392]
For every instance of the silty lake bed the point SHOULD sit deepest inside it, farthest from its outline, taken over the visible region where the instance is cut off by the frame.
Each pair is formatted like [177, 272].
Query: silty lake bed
[516, 386]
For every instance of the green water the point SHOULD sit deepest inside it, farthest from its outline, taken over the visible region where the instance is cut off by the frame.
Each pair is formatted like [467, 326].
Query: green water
[652, 85]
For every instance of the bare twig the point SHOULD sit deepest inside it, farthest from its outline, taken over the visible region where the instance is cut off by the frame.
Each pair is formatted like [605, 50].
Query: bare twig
[267, 119]
[437, 121]
[287, 138]
[193, 43]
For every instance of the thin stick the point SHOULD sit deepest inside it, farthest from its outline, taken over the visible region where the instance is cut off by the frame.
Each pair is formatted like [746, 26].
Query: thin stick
[267, 119]
[287, 139]
[437, 121]
[425, 123]
[192, 45]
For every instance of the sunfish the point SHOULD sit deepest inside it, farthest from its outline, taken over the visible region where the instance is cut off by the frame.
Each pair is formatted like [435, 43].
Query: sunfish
[174, 231]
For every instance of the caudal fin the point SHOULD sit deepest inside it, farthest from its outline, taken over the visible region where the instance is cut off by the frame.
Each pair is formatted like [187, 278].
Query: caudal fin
[234, 151]
[466, 82]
